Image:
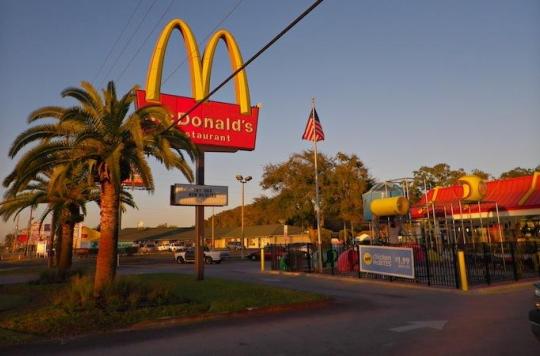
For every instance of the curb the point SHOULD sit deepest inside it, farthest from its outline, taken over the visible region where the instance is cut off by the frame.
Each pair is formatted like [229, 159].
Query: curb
[492, 289]
[250, 312]
[177, 321]
[504, 287]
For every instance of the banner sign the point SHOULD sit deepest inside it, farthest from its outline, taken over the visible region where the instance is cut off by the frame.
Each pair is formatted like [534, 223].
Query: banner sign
[390, 261]
[191, 195]
[213, 125]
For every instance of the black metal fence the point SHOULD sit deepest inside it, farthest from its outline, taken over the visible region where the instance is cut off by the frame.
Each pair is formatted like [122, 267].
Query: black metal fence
[434, 265]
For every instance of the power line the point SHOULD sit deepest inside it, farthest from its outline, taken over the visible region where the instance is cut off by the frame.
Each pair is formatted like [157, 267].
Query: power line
[145, 40]
[206, 38]
[131, 38]
[255, 56]
[117, 40]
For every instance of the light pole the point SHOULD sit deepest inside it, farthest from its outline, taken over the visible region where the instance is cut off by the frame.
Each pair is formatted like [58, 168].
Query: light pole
[242, 180]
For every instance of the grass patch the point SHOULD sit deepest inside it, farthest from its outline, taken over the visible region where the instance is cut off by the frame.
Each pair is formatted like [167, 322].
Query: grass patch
[22, 270]
[11, 301]
[59, 310]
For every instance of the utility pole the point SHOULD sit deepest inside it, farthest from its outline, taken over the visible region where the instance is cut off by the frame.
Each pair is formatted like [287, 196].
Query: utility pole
[213, 230]
[29, 233]
[16, 235]
[242, 180]
[199, 221]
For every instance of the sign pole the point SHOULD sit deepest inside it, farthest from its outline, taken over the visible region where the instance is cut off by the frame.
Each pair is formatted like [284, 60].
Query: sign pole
[199, 221]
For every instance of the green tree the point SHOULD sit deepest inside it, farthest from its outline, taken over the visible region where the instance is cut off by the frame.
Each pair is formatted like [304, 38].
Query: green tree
[480, 173]
[293, 183]
[110, 144]
[440, 175]
[518, 172]
[350, 181]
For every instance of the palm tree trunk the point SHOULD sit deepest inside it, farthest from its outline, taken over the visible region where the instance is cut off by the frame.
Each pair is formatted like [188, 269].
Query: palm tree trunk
[66, 250]
[108, 241]
[50, 242]
[58, 244]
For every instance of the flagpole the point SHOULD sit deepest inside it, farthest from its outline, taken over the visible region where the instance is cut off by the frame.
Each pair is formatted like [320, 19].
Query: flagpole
[317, 206]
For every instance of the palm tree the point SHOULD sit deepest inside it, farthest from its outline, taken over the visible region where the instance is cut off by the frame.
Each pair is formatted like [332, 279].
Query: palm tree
[64, 203]
[109, 143]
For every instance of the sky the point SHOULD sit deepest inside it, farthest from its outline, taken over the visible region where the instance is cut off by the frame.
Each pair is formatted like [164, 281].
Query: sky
[402, 84]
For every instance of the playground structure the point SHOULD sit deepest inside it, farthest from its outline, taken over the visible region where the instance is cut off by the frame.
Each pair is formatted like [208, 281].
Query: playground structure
[470, 212]
[475, 211]
[386, 209]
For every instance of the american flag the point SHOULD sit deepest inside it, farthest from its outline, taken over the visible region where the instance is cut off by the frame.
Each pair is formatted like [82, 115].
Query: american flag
[313, 131]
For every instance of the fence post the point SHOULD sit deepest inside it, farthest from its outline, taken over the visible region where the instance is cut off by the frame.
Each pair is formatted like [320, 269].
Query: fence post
[308, 259]
[486, 263]
[455, 262]
[513, 255]
[330, 255]
[262, 259]
[359, 261]
[537, 256]
[462, 271]
[426, 252]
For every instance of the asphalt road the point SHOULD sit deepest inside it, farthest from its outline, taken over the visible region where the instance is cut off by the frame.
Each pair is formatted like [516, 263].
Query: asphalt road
[365, 318]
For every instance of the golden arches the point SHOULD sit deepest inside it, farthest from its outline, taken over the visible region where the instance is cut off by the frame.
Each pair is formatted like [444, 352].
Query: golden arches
[200, 70]
[155, 70]
[240, 81]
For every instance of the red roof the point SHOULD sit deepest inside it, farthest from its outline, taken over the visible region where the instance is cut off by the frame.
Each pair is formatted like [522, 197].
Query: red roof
[506, 193]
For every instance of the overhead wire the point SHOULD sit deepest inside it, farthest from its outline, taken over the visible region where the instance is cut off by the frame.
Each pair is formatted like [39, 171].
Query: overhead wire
[131, 38]
[117, 40]
[145, 40]
[204, 40]
[248, 62]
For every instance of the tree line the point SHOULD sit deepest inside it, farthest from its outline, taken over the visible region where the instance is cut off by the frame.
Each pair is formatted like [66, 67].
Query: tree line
[343, 178]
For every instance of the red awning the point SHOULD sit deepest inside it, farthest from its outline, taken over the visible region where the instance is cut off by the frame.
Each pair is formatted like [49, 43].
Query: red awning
[512, 194]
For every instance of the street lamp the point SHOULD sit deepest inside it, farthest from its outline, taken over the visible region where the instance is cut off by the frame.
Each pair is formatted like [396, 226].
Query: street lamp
[242, 180]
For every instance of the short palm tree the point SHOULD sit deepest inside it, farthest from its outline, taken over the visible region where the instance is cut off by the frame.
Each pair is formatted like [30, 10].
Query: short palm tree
[66, 204]
[100, 135]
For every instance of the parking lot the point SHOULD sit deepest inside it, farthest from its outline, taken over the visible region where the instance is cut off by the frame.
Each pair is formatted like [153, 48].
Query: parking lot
[365, 316]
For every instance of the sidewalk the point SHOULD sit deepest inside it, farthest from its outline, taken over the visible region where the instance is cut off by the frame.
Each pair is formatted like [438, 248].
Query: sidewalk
[476, 290]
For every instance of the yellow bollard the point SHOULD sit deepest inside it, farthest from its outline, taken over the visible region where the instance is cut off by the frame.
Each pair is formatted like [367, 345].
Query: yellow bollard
[262, 259]
[462, 271]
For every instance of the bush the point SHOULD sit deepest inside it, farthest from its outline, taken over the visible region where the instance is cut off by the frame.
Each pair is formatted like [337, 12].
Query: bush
[53, 276]
[122, 295]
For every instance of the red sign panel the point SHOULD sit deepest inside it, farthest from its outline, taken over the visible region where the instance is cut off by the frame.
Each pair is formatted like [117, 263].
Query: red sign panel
[214, 126]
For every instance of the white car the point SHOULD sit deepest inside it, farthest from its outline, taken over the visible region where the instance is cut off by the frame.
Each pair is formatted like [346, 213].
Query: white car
[164, 247]
[147, 248]
[177, 247]
[209, 256]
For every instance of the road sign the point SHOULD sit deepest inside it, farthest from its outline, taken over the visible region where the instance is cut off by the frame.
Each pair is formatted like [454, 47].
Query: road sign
[193, 195]
[390, 261]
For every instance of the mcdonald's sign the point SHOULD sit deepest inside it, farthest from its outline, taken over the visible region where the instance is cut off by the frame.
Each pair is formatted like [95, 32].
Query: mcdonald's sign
[214, 126]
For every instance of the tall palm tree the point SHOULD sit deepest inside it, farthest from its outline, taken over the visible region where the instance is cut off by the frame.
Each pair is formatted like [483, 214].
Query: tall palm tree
[101, 135]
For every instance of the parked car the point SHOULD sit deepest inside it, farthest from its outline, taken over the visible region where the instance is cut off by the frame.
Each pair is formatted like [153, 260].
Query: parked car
[234, 245]
[534, 315]
[147, 247]
[177, 247]
[256, 255]
[164, 247]
[210, 256]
